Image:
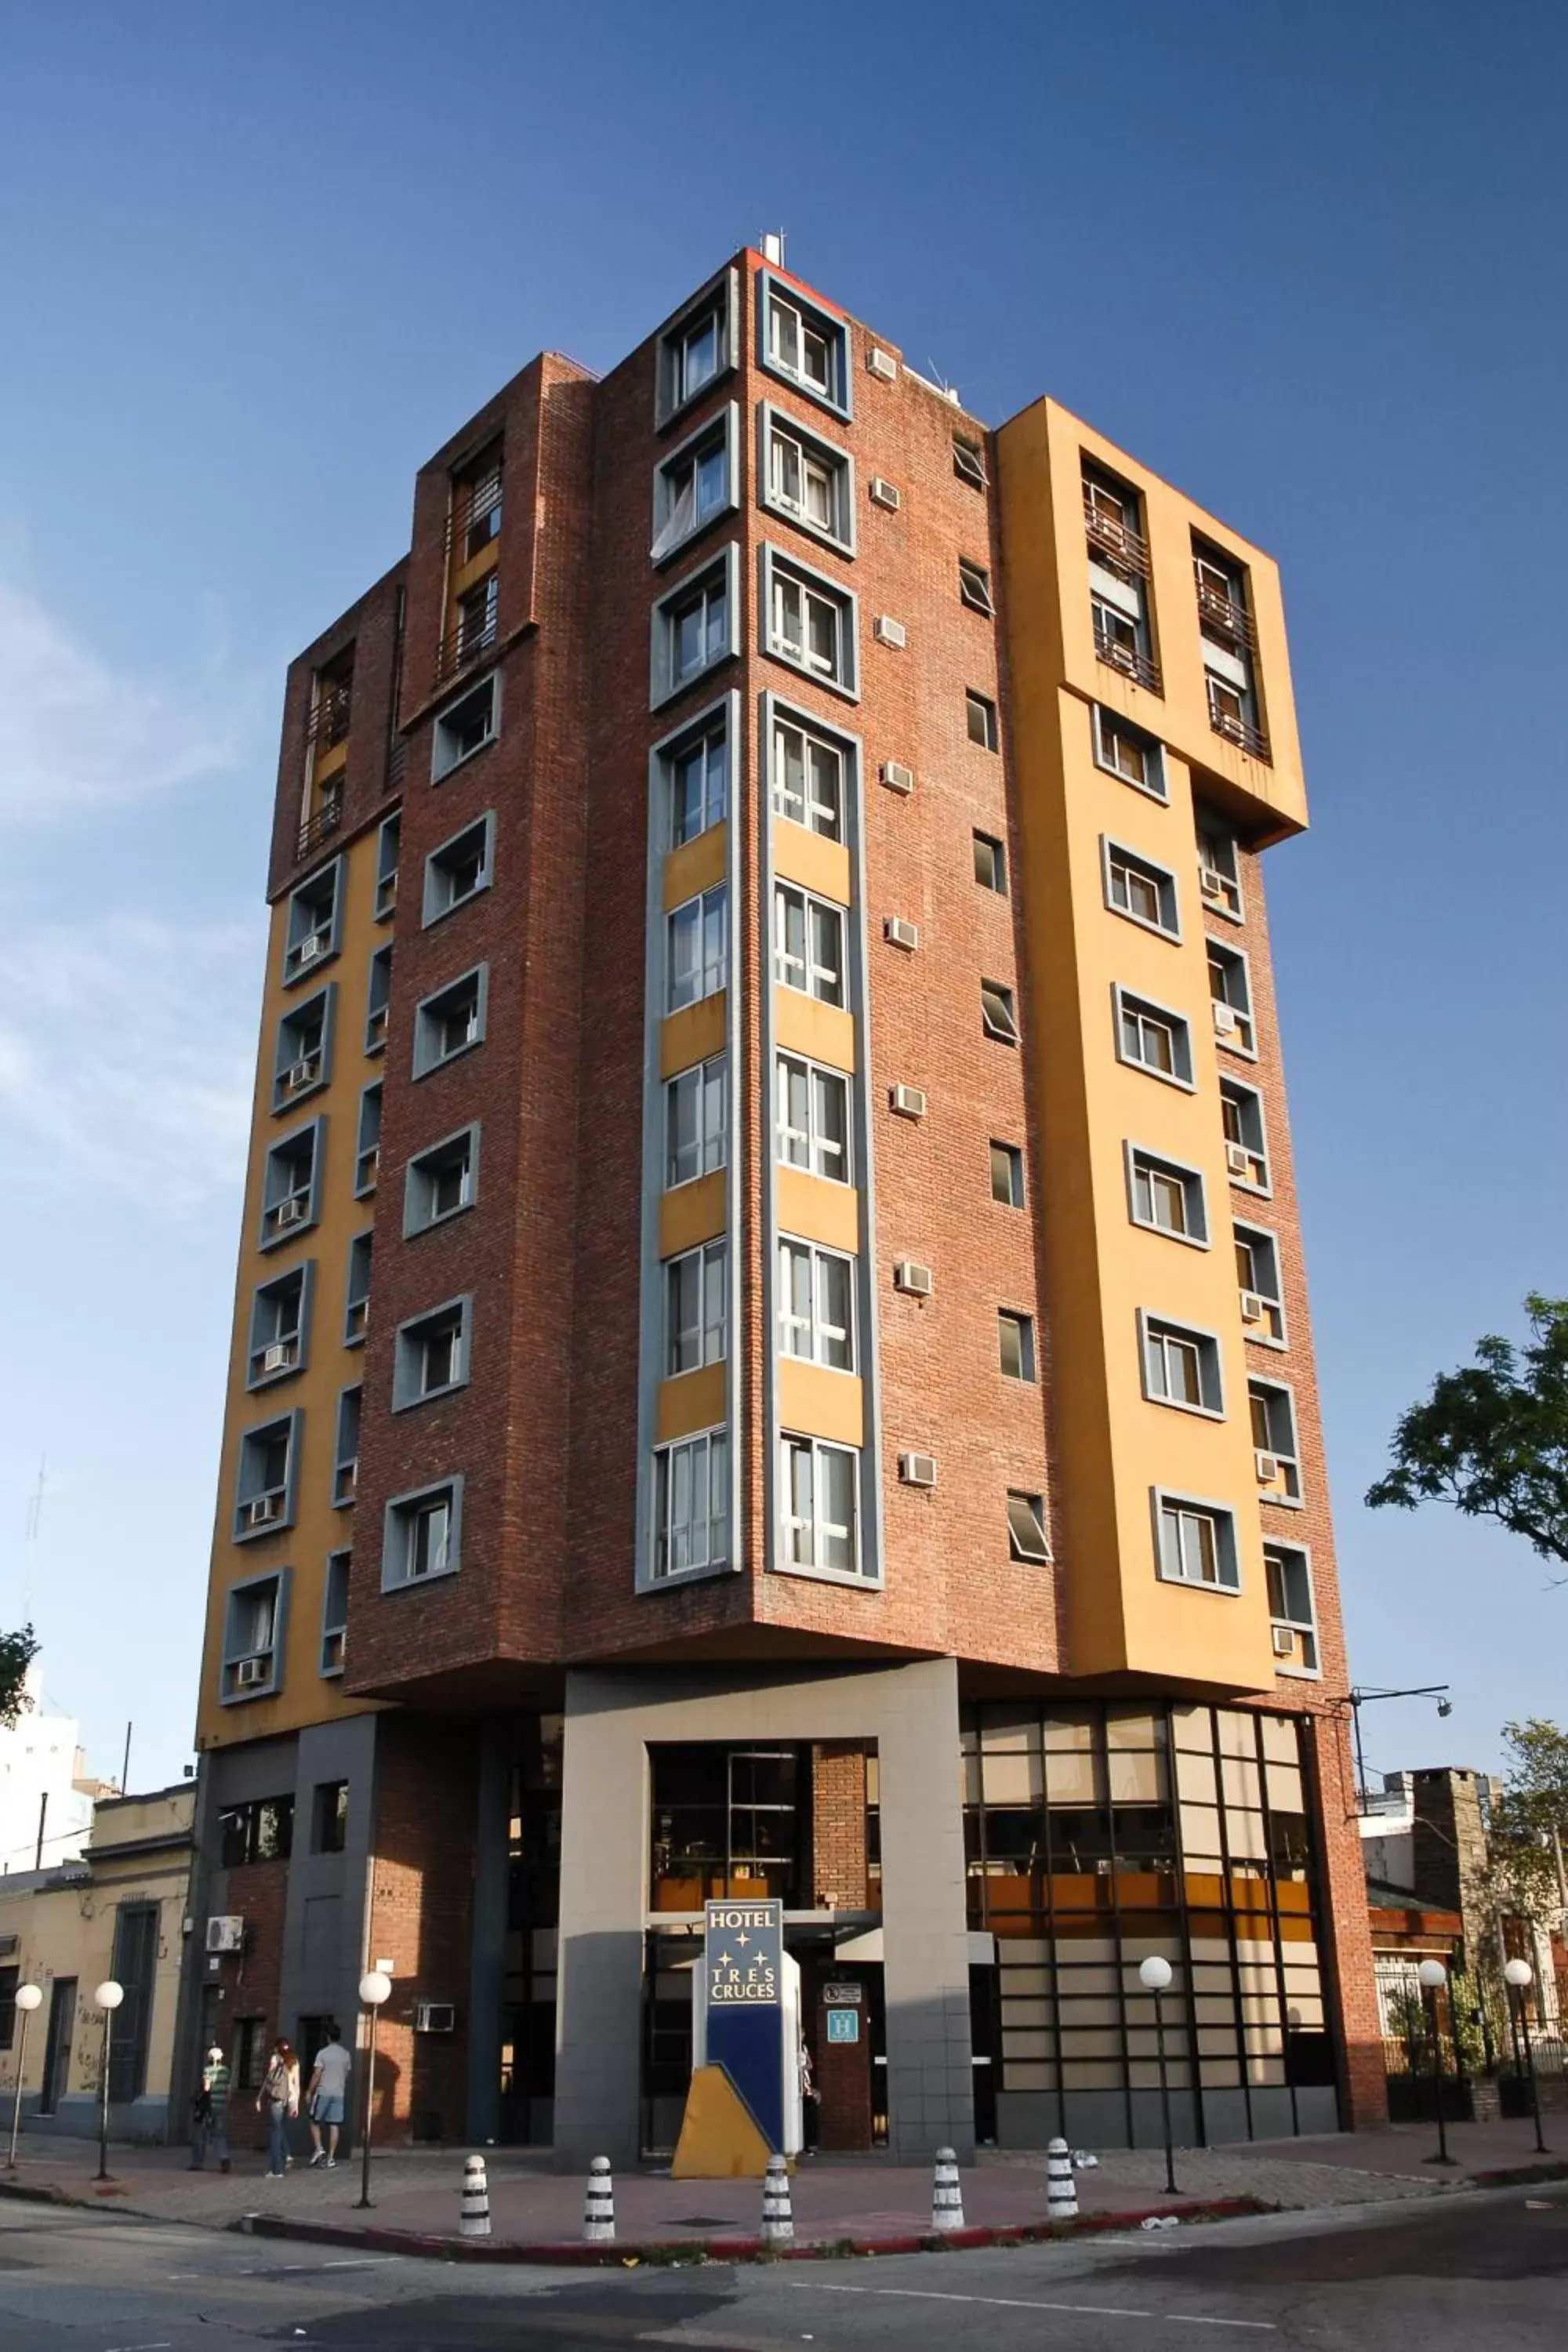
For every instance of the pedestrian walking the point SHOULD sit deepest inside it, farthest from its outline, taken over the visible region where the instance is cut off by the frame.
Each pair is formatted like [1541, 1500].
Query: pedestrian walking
[209, 2113]
[279, 2102]
[808, 2102]
[327, 2095]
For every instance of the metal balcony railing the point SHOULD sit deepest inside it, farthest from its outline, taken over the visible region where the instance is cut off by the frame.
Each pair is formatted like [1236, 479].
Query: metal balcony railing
[1223, 616]
[1241, 731]
[464, 645]
[1127, 660]
[316, 828]
[328, 721]
[1118, 539]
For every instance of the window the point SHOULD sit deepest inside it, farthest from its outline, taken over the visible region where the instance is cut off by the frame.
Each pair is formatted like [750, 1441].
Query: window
[1181, 1367]
[812, 1112]
[1273, 1411]
[696, 1122]
[378, 1001]
[697, 775]
[808, 479]
[267, 1472]
[809, 622]
[478, 615]
[1007, 1174]
[1015, 1340]
[450, 1021]
[697, 939]
[694, 626]
[253, 1638]
[345, 1451]
[816, 1316]
[1288, 1570]
[1143, 891]
[329, 1816]
[1118, 576]
[431, 1354]
[423, 1534]
[476, 503]
[808, 943]
[990, 864]
[803, 343]
[694, 484]
[981, 714]
[1219, 872]
[1129, 754]
[1229, 643]
[312, 923]
[335, 1613]
[969, 461]
[465, 727]
[697, 1308]
[1230, 986]
[357, 1302]
[388, 847]
[1196, 1543]
[261, 1831]
[367, 1145]
[280, 1326]
[819, 1506]
[1258, 1277]
[974, 587]
[696, 350]
[441, 1182]
[302, 1057]
[1166, 1197]
[1027, 1526]
[292, 1183]
[691, 1504]
[1245, 1144]
[998, 1012]
[1151, 1037]
[808, 778]
[459, 869]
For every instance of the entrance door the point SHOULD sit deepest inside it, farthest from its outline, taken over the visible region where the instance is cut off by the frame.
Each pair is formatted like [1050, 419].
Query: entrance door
[58, 2047]
[134, 1968]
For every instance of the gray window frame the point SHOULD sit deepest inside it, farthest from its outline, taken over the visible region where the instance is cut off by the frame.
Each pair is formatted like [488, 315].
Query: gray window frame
[988, 1028]
[697, 1071]
[415, 1175]
[363, 1241]
[1211, 1366]
[1289, 1458]
[293, 1420]
[839, 401]
[812, 1069]
[341, 1460]
[775, 561]
[1234, 959]
[329, 1673]
[1193, 1182]
[429, 912]
[993, 842]
[374, 1013]
[990, 717]
[1037, 1505]
[1227, 1550]
[779, 711]
[723, 714]
[409, 1339]
[863, 1570]
[1181, 1028]
[1017, 1194]
[718, 890]
[374, 1091]
[231, 1656]
[304, 1273]
[721, 295]
[290, 1019]
[1153, 748]
[1151, 870]
[385, 901]
[285, 1147]
[293, 971]
[1230, 1087]
[976, 593]
[721, 429]
[841, 537]
[663, 685]
[1308, 1625]
[1244, 1230]
[440, 769]
[427, 1010]
[1231, 881]
[714, 1251]
[1028, 1374]
[657, 1578]
[397, 1526]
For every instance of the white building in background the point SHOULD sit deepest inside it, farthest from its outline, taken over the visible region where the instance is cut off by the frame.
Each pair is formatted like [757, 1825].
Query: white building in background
[43, 1768]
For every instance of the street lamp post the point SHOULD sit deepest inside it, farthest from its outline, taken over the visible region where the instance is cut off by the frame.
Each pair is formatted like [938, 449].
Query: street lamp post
[1434, 1976]
[108, 1997]
[1520, 1975]
[1155, 1976]
[375, 1988]
[29, 1997]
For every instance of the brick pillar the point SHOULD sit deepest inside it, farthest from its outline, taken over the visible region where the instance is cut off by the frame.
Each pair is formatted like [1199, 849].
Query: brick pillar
[1350, 1989]
[838, 1824]
[422, 1868]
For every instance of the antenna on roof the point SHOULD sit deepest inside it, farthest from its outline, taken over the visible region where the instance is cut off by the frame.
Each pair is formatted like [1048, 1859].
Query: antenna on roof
[772, 246]
[30, 1551]
[948, 391]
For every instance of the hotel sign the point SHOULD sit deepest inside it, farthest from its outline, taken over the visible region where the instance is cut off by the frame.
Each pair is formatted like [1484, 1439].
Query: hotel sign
[743, 1953]
[742, 1989]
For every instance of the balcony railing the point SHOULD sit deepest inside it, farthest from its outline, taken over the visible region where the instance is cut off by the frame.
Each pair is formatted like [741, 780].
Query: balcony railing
[464, 645]
[473, 518]
[1223, 616]
[1241, 731]
[1127, 660]
[396, 760]
[316, 828]
[328, 721]
[1118, 539]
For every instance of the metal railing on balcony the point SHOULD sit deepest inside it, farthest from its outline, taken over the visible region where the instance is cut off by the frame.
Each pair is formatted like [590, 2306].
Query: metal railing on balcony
[1127, 660]
[396, 760]
[1240, 732]
[316, 827]
[464, 645]
[1118, 539]
[328, 721]
[1223, 616]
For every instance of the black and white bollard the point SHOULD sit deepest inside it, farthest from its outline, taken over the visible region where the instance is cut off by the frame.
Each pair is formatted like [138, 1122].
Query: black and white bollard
[946, 2195]
[599, 2205]
[475, 2219]
[1061, 2189]
[778, 2213]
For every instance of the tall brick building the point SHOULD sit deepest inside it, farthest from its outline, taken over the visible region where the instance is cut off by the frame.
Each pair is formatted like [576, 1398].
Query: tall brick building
[772, 1347]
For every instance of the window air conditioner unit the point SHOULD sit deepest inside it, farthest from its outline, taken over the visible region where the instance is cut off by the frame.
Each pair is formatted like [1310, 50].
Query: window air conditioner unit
[1238, 1159]
[910, 1102]
[885, 493]
[918, 1280]
[310, 949]
[278, 1357]
[303, 1072]
[900, 933]
[1284, 1642]
[291, 1211]
[882, 364]
[1225, 1023]
[1267, 1468]
[251, 1670]
[1251, 1307]
[435, 2017]
[888, 632]
[376, 1024]
[918, 1469]
[896, 776]
[1211, 884]
[227, 1933]
[262, 1511]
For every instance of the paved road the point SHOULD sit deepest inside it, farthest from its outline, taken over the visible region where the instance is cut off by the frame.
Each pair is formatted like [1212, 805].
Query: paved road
[1478, 2273]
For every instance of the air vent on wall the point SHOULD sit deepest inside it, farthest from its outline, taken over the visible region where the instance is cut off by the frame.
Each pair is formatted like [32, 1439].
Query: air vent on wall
[918, 1280]
[900, 933]
[910, 1102]
[882, 364]
[888, 632]
[896, 776]
[885, 493]
[918, 1469]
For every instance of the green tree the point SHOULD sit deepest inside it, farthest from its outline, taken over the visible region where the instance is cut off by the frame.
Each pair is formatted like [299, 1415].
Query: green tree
[1493, 1438]
[17, 1652]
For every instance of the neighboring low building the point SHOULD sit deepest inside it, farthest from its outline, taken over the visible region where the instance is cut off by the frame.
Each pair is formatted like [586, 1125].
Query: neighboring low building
[46, 1795]
[121, 1912]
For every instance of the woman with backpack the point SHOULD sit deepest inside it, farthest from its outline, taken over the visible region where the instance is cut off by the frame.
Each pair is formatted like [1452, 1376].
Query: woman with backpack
[279, 2102]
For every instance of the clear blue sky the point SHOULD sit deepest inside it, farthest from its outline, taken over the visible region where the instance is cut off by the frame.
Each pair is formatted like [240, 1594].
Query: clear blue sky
[257, 261]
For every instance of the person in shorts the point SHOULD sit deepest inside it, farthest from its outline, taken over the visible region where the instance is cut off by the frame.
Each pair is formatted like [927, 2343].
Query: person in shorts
[327, 2094]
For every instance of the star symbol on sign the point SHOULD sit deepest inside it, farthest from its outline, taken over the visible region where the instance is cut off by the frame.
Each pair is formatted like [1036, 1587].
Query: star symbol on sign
[743, 1941]
[722, 1961]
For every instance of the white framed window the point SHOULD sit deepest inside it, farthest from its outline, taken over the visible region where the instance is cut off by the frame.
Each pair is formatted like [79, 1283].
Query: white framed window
[1230, 987]
[1026, 1538]
[697, 949]
[431, 1354]
[811, 1110]
[1259, 1282]
[1135, 886]
[292, 1184]
[969, 461]
[816, 1305]
[1015, 1344]
[697, 1308]
[695, 484]
[1291, 1607]
[1272, 1407]
[422, 1538]
[451, 1022]
[694, 627]
[1219, 872]
[1150, 1037]
[1166, 1197]
[1126, 751]
[819, 1486]
[1180, 1365]
[696, 769]
[253, 1629]
[464, 726]
[314, 924]
[809, 777]
[696, 348]
[808, 943]
[696, 1122]
[974, 587]
[459, 869]
[1246, 1136]
[806, 480]
[805, 344]
[999, 1012]
[810, 622]
[345, 1449]
[691, 1504]
[335, 1613]
[441, 1182]
[267, 1475]
[1196, 1543]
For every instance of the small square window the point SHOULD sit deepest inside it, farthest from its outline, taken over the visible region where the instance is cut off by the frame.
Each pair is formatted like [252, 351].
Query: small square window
[974, 587]
[806, 480]
[1016, 1338]
[302, 1056]
[266, 1478]
[694, 769]
[1196, 1543]
[969, 461]
[990, 864]
[312, 925]
[805, 344]
[367, 1147]
[389, 848]
[999, 1012]
[695, 626]
[450, 1022]
[811, 776]
[280, 1326]
[1246, 1140]
[422, 1535]
[697, 1308]
[1007, 1174]
[465, 727]
[697, 350]
[697, 1122]
[1166, 1197]
[441, 1182]
[1145, 893]
[378, 1000]
[260, 1830]
[982, 719]
[691, 1506]
[1129, 754]
[431, 1354]
[328, 1817]
[1151, 1037]
[1181, 1367]
[253, 1640]
[335, 1613]
[292, 1184]
[345, 1451]
[1027, 1536]
[809, 622]
[1230, 987]
[459, 869]
[697, 949]
[694, 484]
[356, 1300]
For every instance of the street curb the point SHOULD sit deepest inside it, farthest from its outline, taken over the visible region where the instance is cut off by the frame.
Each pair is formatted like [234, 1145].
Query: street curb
[573, 2253]
[1518, 2176]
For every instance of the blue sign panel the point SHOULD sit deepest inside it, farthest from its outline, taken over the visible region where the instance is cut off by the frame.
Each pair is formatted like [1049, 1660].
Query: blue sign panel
[844, 2025]
[742, 1984]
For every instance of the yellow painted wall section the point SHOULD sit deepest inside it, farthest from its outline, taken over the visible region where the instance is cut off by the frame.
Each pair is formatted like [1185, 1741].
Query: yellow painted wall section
[691, 1213]
[305, 1696]
[814, 1209]
[824, 1032]
[691, 1400]
[806, 857]
[817, 1402]
[696, 865]
[691, 1035]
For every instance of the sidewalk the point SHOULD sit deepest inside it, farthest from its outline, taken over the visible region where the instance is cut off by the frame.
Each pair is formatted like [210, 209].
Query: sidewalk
[867, 2198]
